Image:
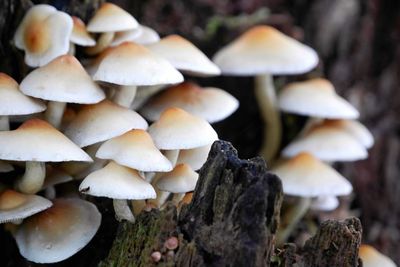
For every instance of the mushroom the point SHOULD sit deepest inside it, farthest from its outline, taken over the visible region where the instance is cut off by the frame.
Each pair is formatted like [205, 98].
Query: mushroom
[62, 81]
[211, 104]
[325, 203]
[79, 35]
[146, 36]
[194, 157]
[306, 177]
[372, 258]
[44, 34]
[263, 51]
[14, 102]
[131, 65]
[15, 206]
[37, 142]
[59, 232]
[119, 183]
[109, 18]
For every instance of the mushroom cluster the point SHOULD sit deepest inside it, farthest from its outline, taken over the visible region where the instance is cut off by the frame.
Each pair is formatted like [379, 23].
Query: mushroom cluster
[82, 124]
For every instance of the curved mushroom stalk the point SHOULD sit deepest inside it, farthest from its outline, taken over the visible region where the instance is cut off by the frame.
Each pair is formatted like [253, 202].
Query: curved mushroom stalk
[266, 97]
[122, 210]
[125, 95]
[291, 218]
[54, 113]
[4, 123]
[102, 43]
[33, 179]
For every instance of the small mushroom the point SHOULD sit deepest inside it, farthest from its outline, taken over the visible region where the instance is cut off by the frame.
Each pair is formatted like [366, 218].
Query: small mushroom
[373, 258]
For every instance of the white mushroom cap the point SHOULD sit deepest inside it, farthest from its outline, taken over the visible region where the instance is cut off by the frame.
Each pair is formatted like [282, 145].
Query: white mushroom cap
[13, 101]
[93, 123]
[327, 142]
[79, 35]
[184, 56]
[325, 203]
[117, 182]
[211, 104]
[177, 129]
[133, 64]
[44, 34]
[36, 140]
[146, 36]
[63, 80]
[126, 36]
[17, 206]
[181, 180]
[135, 149]
[359, 131]
[55, 176]
[263, 49]
[373, 258]
[194, 157]
[306, 176]
[111, 18]
[316, 98]
[59, 232]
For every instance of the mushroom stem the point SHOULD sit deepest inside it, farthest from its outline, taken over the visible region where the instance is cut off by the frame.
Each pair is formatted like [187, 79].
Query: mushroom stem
[177, 197]
[291, 218]
[33, 179]
[55, 112]
[266, 97]
[71, 49]
[124, 95]
[122, 210]
[4, 123]
[102, 43]
[172, 156]
[138, 206]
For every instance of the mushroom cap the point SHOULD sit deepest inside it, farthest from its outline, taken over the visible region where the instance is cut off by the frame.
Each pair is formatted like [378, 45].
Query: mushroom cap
[55, 176]
[327, 142]
[63, 80]
[306, 176]
[316, 98]
[184, 56]
[211, 104]
[126, 36]
[133, 64]
[16, 206]
[92, 124]
[111, 18]
[181, 180]
[44, 34]
[356, 129]
[79, 34]
[372, 258]
[135, 149]
[117, 182]
[13, 101]
[263, 49]
[178, 129]
[146, 36]
[325, 203]
[59, 232]
[194, 157]
[37, 140]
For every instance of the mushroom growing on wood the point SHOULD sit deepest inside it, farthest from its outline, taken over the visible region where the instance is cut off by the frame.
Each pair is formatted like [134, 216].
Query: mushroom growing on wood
[263, 51]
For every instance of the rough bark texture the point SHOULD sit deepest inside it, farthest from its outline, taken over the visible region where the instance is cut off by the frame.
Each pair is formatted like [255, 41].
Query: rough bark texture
[231, 220]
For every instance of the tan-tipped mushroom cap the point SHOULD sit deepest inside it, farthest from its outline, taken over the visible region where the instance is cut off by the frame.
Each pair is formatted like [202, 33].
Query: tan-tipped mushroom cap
[79, 35]
[59, 232]
[184, 56]
[306, 176]
[111, 18]
[181, 180]
[13, 101]
[327, 142]
[373, 258]
[126, 36]
[356, 129]
[316, 98]
[102, 121]
[135, 149]
[146, 36]
[263, 49]
[194, 157]
[36, 140]
[63, 80]
[211, 104]
[44, 34]
[17, 206]
[133, 64]
[177, 129]
[117, 182]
